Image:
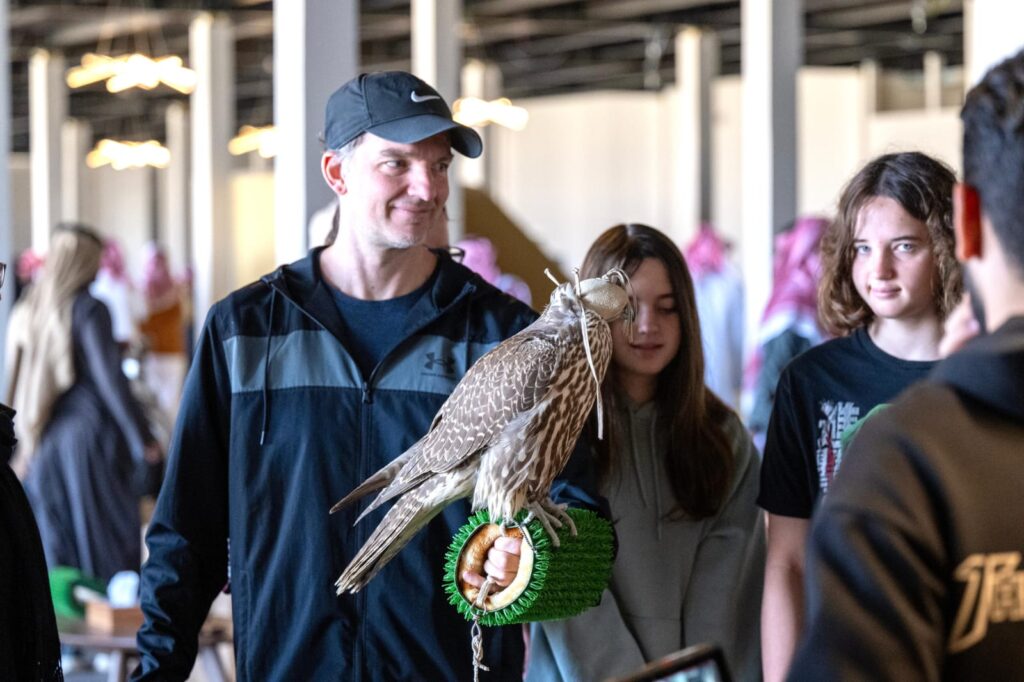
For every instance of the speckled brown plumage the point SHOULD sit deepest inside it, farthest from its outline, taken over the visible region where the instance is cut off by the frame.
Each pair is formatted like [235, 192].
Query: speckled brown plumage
[502, 436]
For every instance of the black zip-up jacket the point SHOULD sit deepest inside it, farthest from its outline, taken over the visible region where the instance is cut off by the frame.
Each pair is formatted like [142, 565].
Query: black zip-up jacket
[915, 567]
[276, 424]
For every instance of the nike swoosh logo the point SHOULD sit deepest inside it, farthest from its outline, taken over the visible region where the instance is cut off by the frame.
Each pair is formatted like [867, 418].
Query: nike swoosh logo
[422, 98]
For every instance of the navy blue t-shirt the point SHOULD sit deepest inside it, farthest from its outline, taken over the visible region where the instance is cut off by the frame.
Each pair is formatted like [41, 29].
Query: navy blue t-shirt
[372, 328]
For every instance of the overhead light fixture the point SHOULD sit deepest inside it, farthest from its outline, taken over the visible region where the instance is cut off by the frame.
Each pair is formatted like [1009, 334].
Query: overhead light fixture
[472, 111]
[260, 139]
[132, 71]
[121, 155]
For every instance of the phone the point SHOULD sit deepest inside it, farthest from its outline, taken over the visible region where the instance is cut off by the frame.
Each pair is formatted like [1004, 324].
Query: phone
[698, 663]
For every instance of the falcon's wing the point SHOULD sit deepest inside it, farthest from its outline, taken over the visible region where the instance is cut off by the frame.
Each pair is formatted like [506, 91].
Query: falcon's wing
[506, 382]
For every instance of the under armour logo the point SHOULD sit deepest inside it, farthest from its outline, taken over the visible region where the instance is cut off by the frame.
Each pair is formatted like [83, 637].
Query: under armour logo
[422, 98]
[447, 363]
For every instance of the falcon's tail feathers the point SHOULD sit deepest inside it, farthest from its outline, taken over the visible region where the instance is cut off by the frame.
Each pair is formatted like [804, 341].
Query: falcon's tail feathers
[379, 480]
[399, 525]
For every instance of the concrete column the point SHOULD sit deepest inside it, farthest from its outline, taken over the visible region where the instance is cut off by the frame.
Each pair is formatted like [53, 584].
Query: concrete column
[933, 66]
[437, 59]
[47, 105]
[992, 32]
[174, 190]
[316, 49]
[481, 80]
[76, 141]
[212, 55]
[7, 253]
[772, 38]
[870, 77]
[697, 58]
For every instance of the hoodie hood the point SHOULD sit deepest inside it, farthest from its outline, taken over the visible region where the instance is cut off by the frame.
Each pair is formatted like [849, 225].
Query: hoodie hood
[988, 370]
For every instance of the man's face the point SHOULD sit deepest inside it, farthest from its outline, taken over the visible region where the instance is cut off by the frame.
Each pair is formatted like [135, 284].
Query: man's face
[396, 191]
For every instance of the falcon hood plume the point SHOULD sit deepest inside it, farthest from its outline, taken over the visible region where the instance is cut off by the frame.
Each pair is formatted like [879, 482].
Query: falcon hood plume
[507, 429]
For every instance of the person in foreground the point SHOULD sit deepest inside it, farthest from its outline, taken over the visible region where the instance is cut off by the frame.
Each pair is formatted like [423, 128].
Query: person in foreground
[29, 647]
[889, 280]
[680, 474]
[303, 384]
[915, 560]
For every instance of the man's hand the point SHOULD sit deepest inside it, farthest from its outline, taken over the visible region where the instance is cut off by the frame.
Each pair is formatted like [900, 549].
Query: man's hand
[501, 565]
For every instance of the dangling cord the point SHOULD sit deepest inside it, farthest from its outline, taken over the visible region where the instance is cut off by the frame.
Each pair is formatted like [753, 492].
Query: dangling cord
[590, 357]
[586, 347]
[478, 649]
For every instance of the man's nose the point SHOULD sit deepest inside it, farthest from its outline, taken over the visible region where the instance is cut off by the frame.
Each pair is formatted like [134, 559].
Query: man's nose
[424, 184]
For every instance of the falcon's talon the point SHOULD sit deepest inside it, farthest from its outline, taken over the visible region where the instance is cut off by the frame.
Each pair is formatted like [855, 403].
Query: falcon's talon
[559, 511]
[549, 520]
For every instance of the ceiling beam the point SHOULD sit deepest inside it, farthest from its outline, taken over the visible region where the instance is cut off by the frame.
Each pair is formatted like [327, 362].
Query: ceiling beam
[887, 13]
[623, 9]
[507, 7]
[574, 75]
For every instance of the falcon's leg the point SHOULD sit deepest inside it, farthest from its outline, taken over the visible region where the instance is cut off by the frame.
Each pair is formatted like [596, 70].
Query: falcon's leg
[558, 510]
[551, 516]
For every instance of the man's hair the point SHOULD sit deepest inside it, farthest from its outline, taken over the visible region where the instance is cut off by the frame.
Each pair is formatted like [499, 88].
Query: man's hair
[923, 186]
[346, 150]
[993, 118]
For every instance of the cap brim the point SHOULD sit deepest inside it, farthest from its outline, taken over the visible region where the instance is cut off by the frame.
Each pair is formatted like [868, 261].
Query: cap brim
[413, 129]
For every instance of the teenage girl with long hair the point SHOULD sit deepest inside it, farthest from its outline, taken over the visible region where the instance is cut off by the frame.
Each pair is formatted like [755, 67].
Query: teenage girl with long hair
[681, 476]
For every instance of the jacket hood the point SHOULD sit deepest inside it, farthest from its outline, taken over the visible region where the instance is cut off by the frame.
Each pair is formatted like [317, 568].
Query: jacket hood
[989, 368]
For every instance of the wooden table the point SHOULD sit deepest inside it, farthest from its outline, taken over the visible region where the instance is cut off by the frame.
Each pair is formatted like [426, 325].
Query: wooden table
[123, 651]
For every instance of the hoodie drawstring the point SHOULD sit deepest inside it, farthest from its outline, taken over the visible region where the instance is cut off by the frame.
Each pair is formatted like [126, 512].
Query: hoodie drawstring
[266, 367]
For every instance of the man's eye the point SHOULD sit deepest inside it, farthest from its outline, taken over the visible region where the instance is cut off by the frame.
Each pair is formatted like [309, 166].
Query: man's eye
[394, 163]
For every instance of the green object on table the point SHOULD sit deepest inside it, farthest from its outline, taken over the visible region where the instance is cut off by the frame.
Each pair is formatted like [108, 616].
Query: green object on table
[63, 581]
[564, 581]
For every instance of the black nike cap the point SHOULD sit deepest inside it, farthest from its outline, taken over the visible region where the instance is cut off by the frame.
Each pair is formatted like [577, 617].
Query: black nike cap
[396, 106]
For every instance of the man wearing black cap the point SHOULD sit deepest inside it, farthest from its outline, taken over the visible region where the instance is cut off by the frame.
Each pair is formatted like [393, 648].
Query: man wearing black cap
[303, 384]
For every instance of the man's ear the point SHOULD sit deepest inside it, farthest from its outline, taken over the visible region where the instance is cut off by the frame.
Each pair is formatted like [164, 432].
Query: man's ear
[966, 221]
[330, 167]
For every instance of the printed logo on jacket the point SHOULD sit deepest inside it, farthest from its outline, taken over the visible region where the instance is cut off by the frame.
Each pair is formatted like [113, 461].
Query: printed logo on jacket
[993, 594]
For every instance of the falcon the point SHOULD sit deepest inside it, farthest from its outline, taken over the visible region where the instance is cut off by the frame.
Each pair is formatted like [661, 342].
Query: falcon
[506, 430]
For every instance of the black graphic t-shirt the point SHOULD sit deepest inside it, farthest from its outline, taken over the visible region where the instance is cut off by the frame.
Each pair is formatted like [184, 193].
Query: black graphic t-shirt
[821, 394]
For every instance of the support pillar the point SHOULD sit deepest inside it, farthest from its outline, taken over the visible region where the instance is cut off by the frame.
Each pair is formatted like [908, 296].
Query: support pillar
[7, 253]
[481, 80]
[316, 49]
[76, 141]
[772, 38]
[991, 34]
[933, 66]
[212, 55]
[437, 59]
[697, 59]
[174, 190]
[48, 105]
